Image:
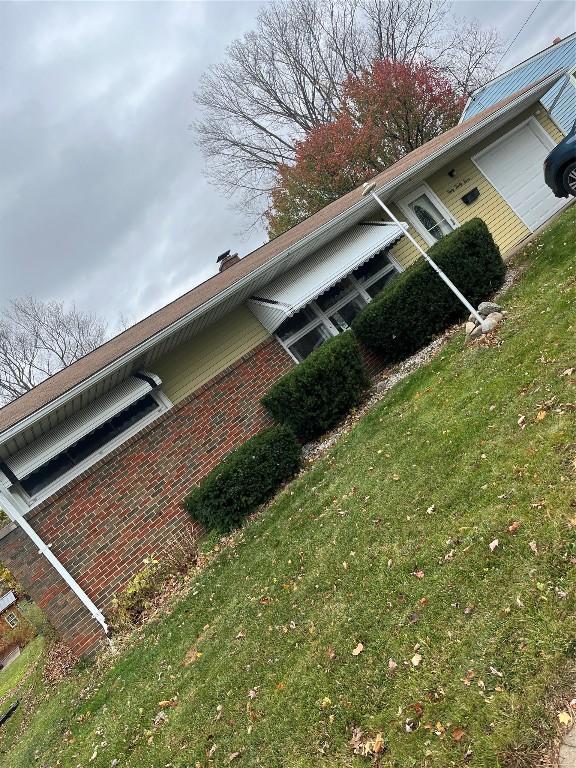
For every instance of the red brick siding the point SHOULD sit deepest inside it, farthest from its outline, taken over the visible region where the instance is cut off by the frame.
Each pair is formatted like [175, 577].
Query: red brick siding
[106, 521]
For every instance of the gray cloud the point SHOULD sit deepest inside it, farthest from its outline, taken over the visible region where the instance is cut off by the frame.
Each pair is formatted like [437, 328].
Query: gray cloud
[102, 198]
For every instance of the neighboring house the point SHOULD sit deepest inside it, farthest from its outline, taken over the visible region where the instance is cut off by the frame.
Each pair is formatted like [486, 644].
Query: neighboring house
[560, 100]
[96, 460]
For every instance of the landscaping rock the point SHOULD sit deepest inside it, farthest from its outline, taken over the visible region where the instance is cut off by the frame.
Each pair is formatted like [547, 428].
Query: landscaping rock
[491, 321]
[472, 319]
[488, 307]
[469, 327]
[476, 333]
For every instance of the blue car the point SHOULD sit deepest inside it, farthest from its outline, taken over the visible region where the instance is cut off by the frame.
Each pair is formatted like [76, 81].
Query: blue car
[560, 166]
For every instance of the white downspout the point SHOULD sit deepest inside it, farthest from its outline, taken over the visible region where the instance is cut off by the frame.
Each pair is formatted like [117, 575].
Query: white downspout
[10, 508]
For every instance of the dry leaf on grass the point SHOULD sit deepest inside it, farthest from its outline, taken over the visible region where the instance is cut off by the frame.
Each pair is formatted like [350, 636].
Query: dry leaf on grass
[541, 415]
[513, 527]
[458, 734]
[416, 659]
[564, 718]
[493, 545]
[358, 650]
[193, 655]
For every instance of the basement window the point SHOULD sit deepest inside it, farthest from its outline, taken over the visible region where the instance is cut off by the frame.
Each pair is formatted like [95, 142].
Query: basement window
[11, 619]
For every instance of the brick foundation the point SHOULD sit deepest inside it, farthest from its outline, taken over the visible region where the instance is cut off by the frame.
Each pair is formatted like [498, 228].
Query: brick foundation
[127, 506]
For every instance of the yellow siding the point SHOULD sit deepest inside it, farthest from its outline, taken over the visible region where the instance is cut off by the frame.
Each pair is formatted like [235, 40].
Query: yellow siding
[548, 124]
[195, 362]
[404, 252]
[506, 228]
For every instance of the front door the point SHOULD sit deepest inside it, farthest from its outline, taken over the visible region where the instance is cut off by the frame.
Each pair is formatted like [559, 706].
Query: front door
[425, 211]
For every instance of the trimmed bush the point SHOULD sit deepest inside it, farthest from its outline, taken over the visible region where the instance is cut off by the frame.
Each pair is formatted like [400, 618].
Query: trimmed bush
[314, 395]
[244, 479]
[417, 305]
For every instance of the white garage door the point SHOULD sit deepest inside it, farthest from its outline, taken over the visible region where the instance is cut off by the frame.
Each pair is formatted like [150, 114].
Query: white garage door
[513, 165]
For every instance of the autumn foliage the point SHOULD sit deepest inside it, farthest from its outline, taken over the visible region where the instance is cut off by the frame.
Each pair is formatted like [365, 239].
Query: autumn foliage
[386, 112]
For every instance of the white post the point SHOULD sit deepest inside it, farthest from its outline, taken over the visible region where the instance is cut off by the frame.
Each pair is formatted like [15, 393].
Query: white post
[10, 508]
[369, 189]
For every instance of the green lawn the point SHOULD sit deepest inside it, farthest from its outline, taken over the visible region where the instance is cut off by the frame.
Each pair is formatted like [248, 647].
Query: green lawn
[385, 542]
[11, 676]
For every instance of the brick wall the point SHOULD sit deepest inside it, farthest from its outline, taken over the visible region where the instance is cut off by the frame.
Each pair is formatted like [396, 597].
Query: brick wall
[106, 521]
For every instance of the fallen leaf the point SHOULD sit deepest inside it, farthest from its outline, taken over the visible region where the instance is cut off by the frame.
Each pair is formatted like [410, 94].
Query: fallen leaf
[493, 545]
[378, 745]
[568, 372]
[458, 734]
[513, 527]
[522, 422]
[358, 650]
[192, 656]
[419, 574]
[564, 718]
[330, 652]
[416, 659]
[167, 703]
[252, 693]
[233, 755]
[392, 666]
[326, 702]
[541, 415]
[431, 509]
[533, 546]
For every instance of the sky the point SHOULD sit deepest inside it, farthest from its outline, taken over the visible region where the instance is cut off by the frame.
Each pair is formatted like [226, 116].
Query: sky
[102, 197]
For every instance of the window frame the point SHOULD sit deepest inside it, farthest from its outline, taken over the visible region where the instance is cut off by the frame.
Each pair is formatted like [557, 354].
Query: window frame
[31, 501]
[425, 189]
[12, 624]
[322, 316]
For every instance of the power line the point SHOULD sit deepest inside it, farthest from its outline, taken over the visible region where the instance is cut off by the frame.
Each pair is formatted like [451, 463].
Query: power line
[516, 36]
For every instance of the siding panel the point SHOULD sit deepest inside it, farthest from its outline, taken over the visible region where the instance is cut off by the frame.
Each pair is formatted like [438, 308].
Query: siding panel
[196, 361]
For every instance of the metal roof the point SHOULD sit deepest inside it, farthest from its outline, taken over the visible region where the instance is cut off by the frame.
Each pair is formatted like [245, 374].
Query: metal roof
[309, 279]
[560, 56]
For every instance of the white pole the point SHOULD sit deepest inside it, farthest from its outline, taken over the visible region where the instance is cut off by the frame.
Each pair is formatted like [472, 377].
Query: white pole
[369, 189]
[10, 508]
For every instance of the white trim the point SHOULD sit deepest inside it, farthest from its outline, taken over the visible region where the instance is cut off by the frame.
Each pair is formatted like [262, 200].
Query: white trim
[13, 513]
[363, 203]
[425, 189]
[540, 134]
[30, 502]
[572, 77]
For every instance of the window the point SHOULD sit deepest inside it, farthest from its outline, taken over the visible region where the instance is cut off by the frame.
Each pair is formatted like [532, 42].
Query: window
[334, 310]
[427, 214]
[87, 446]
[11, 619]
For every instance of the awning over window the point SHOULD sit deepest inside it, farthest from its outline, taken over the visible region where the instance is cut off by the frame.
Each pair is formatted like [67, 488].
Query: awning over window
[311, 277]
[82, 423]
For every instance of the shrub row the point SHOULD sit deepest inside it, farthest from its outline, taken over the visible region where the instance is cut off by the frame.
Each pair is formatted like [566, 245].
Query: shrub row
[417, 305]
[314, 395]
[244, 479]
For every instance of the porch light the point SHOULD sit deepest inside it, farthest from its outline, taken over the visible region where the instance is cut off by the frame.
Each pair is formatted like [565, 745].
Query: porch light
[368, 189]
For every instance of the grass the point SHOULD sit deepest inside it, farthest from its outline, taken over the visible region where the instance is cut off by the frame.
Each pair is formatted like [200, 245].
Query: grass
[385, 542]
[11, 676]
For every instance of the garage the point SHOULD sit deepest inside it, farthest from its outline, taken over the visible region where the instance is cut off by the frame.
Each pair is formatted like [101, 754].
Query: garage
[513, 165]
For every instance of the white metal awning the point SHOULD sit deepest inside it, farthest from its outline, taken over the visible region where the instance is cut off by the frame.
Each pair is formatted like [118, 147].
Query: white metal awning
[82, 423]
[312, 276]
[7, 600]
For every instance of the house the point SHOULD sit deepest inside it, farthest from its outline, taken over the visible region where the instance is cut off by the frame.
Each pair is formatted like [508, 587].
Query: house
[96, 460]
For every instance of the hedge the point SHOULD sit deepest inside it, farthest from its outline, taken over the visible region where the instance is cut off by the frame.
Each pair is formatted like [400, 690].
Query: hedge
[313, 396]
[417, 305]
[244, 479]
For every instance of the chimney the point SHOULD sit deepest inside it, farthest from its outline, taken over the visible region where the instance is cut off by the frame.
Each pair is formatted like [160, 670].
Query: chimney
[556, 40]
[226, 260]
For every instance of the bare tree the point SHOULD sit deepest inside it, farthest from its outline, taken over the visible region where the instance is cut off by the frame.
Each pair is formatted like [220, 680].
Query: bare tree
[38, 338]
[285, 77]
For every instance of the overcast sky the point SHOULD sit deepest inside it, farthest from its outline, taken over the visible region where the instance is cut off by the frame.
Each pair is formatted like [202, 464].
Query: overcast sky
[102, 198]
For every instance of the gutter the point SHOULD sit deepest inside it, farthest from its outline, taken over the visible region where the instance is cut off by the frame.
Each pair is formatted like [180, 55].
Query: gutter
[263, 268]
[9, 507]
